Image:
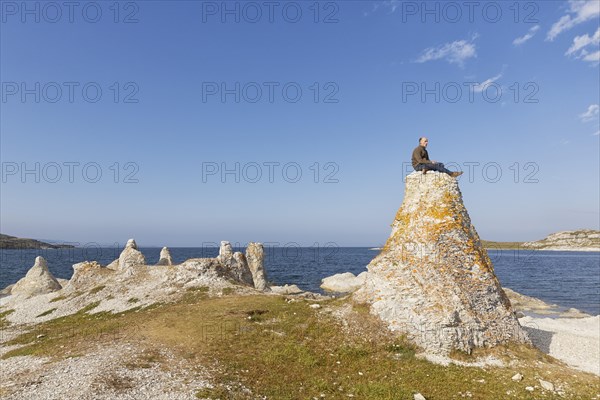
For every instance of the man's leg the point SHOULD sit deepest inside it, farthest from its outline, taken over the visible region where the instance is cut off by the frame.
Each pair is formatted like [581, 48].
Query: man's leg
[438, 167]
[441, 168]
[421, 167]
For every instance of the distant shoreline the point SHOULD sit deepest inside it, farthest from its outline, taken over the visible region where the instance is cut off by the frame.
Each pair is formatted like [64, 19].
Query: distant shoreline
[15, 243]
[489, 245]
[506, 246]
[585, 249]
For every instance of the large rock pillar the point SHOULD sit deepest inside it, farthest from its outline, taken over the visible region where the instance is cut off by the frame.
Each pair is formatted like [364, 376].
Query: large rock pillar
[433, 280]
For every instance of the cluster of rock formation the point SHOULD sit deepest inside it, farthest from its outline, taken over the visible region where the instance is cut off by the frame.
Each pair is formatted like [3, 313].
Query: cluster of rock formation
[433, 280]
[247, 270]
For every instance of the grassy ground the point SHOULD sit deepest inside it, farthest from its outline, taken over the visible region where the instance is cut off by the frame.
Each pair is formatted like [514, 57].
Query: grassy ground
[287, 350]
[3, 321]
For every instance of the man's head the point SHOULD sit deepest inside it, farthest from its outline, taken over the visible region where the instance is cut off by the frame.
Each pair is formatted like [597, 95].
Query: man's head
[423, 141]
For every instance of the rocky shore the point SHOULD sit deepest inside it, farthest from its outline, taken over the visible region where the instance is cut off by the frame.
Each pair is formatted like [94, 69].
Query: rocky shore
[127, 284]
[427, 311]
[571, 336]
[123, 362]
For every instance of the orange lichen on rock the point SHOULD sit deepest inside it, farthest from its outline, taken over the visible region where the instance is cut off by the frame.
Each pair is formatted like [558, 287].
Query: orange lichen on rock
[434, 257]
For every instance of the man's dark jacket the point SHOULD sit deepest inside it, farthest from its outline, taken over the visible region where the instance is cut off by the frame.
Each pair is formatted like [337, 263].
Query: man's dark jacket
[420, 156]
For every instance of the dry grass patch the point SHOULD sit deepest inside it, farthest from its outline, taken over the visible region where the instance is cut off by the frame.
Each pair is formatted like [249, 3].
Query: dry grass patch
[146, 359]
[195, 294]
[263, 345]
[289, 351]
[58, 298]
[48, 312]
[71, 334]
[97, 289]
[228, 291]
[114, 382]
[4, 323]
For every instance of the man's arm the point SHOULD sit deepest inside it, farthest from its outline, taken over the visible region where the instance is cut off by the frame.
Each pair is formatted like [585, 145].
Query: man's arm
[421, 156]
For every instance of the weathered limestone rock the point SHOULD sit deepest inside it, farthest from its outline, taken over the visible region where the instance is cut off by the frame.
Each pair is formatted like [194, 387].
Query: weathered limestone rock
[343, 283]
[234, 263]
[131, 258]
[6, 291]
[38, 280]
[546, 385]
[62, 282]
[286, 289]
[225, 251]
[517, 377]
[113, 265]
[165, 257]
[239, 268]
[88, 274]
[205, 267]
[255, 254]
[433, 280]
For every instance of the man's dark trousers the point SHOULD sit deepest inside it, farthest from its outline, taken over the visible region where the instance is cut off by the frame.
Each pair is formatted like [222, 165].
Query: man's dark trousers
[433, 167]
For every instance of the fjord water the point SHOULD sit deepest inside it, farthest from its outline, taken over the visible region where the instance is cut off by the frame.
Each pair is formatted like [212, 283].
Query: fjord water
[568, 279]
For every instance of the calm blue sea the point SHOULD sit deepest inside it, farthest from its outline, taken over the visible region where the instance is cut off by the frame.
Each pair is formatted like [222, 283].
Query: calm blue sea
[568, 279]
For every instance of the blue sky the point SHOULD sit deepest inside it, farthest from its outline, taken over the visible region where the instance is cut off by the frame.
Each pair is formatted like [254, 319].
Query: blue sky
[512, 91]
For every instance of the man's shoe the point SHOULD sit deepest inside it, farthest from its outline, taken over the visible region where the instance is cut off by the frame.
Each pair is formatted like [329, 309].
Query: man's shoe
[455, 174]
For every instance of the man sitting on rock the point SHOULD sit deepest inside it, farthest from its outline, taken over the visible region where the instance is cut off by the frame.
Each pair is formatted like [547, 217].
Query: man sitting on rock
[421, 161]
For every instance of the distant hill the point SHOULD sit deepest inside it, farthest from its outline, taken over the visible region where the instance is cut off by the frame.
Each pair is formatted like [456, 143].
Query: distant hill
[11, 242]
[580, 240]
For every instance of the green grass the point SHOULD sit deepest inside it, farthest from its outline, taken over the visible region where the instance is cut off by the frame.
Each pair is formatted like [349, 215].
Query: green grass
[228, 290]
[201, 289]
[97, 289]
[50, 311]
[58, 298]
[261, 335]
[213, 393]
[44, 336]
[145, 360]
[4, 323]
[195, 294]
[89, 307]
[290, 351]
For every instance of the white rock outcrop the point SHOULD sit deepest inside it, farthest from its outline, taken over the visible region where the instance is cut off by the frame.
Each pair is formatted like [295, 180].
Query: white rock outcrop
[165, 257]
[433, 280]
[239, 267]
[343, 283]
[88, 274]
[225, 251]
[38, 280]
[131, 259]
[255, 255]
[286, 289]
[518, 377]
[234, 263]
